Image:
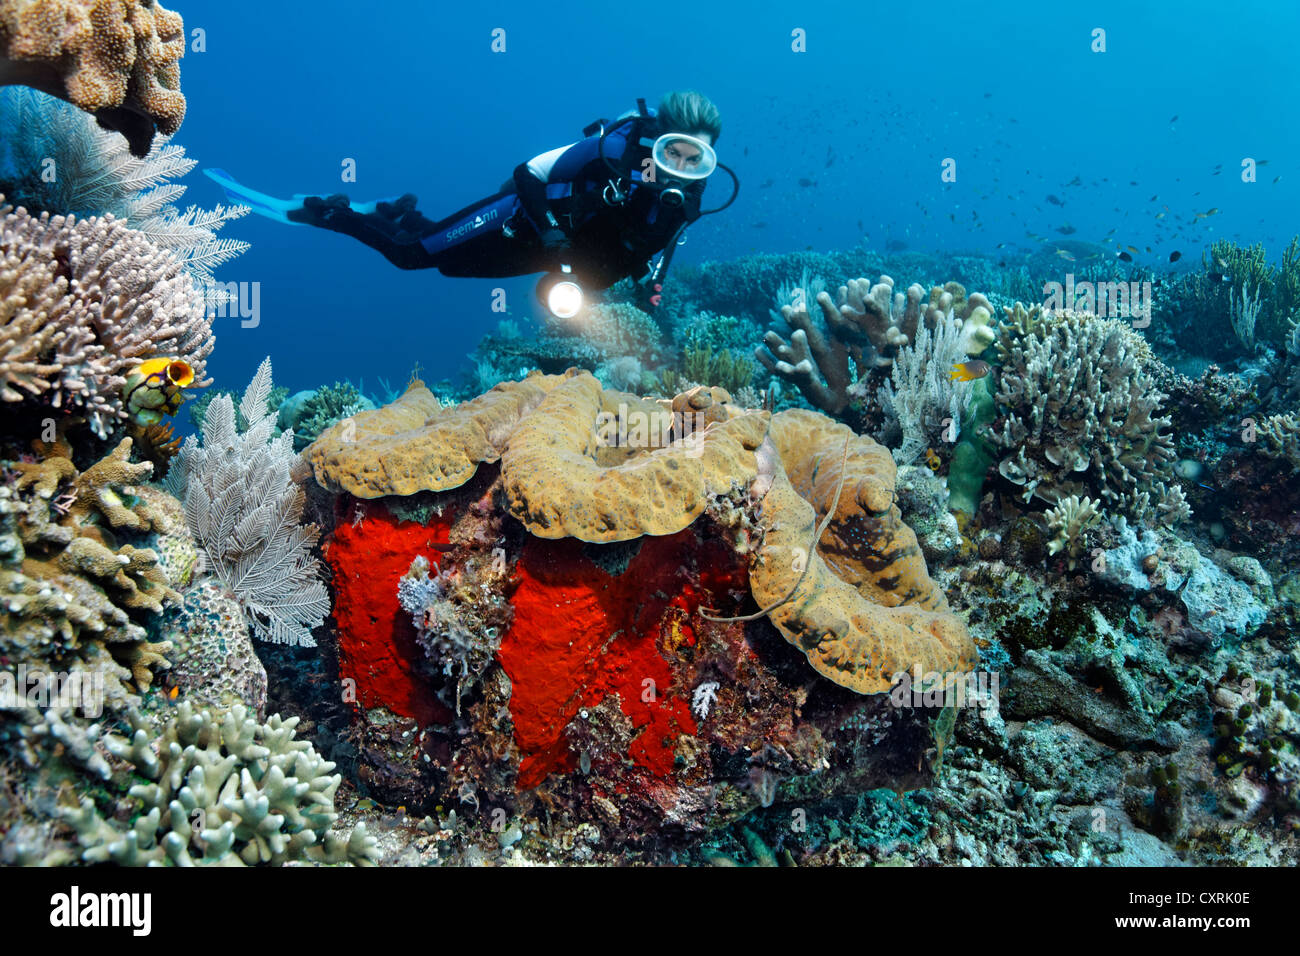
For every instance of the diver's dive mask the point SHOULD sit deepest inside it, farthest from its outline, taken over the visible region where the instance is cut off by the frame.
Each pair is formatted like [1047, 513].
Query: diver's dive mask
[679, 161]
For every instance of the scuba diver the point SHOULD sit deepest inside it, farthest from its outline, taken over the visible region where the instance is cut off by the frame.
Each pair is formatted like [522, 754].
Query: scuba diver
[613, 205]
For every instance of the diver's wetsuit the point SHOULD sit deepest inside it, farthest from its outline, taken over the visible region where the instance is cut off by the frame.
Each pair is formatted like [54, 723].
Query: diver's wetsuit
[509, 233]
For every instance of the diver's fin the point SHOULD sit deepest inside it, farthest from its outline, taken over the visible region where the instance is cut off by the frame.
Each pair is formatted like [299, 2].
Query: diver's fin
[272, 208]
[260, 203]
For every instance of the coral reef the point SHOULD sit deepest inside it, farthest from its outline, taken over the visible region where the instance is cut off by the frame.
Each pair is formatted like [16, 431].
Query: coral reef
[1083, 416]
[1280, 438]
[245, 510]
[1068, 520]
[586, 544]
[80, 571]
[866, 326]
[116, 59]
[310, 413]
[98, 176]
[224, 789]
[921, 399]
[213, 661]
[82, 302]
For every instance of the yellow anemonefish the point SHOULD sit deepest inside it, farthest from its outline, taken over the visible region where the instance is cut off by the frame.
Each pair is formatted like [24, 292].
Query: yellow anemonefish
[969, 371]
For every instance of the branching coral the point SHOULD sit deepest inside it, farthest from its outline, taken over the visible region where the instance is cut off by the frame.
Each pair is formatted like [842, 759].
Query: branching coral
[94, 174]
[116, 59]
[725, 369]
[921, 397]
[77, 593]
[1280, 438]
[245, 510]
[310, 413]
[865, 326]
[1068, 520]
[1082, 415]
[82, 303]
[223, 790]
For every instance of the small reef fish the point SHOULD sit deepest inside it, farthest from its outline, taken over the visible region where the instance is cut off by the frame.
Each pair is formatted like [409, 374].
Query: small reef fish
[1065, 254]
[969, 371]
[932, 459]
[1175, 256]
[1124, 256]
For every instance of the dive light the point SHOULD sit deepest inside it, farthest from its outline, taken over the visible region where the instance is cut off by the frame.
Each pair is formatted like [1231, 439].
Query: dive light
[560, 292]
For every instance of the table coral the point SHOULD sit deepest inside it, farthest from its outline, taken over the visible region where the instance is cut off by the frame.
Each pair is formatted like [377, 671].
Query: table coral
[115, 59]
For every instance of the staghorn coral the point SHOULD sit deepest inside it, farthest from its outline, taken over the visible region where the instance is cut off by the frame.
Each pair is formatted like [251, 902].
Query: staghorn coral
[223, 790]
[866, 326]
[82, 303]
[115, 59]
[1081, 415]
[245, 510]
[77, 594]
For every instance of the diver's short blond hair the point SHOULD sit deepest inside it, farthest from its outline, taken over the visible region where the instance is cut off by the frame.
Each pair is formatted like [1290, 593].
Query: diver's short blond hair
[686, 111]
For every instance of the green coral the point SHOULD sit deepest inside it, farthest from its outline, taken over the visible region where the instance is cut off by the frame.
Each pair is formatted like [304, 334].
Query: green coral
[1247, 267]
[319, 410]
[726, 369]
[973, 454]
[614, 329]
[221, 789]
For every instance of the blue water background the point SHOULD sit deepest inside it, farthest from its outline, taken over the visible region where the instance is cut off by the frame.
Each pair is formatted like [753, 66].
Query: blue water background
[885, 92]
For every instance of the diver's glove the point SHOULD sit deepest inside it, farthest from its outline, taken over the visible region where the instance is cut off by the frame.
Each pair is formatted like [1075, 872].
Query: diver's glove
[651, 294]
[327, 212]
[554, 240]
